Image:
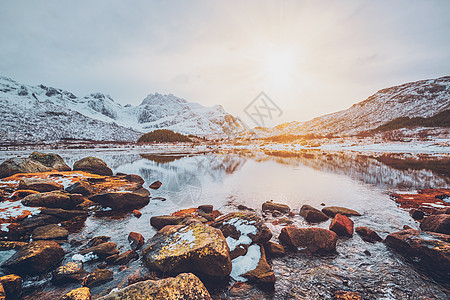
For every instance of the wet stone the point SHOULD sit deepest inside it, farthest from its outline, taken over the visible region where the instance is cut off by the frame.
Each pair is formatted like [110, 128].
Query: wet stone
[98, 277]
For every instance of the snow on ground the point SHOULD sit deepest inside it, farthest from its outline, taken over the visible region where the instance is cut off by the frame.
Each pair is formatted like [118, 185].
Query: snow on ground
[245, 228]
[243, 264]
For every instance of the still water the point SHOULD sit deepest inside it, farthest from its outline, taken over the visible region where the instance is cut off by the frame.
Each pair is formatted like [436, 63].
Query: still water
[225, 180]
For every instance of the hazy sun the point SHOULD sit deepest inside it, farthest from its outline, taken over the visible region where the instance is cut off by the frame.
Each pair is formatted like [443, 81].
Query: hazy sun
[279, 66]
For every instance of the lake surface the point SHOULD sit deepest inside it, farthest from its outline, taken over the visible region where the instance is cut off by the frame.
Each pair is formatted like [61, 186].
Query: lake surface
[360, 182]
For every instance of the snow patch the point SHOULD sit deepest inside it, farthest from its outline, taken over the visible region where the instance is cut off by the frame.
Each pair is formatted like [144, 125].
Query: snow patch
[246, 263]
[86, 257]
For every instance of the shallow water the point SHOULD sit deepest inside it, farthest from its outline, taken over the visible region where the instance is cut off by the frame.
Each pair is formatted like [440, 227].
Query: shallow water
[226, 180]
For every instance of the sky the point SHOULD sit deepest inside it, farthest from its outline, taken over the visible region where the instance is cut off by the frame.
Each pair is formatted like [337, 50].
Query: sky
[309, 57]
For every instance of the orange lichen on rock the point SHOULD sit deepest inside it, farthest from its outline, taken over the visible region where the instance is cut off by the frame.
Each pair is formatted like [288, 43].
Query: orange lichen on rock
[185, 212]
[426, 200]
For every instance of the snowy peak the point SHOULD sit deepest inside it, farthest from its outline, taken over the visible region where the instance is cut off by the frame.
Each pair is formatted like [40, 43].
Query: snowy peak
[156, 111]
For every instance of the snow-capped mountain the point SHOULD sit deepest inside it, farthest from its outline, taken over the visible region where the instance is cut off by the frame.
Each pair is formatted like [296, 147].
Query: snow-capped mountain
[423, 98]
[41, 113]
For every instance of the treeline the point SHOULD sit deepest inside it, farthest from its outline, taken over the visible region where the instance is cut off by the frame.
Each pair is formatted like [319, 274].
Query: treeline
[163, 136]
[441, 119]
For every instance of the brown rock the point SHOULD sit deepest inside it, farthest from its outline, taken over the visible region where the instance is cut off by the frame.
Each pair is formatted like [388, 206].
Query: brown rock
[40, 185]
[102, 250]
[92, 165]
[35, 258]
[368, 235]
[51, 160]
[436, 223]
[160, 221]
[98, 277]
[156, 185]
[126, 200]
[63, 214]
[331, 211]
[271, 206]
[136, 240]
[135, 178]
[206, 208]
[137, 213]
[184, 286]
[98, 240]
[343, 295]
[263, 272]
[416, 214]
[21, 165]
[430, 250]
[274, 249]
[312, 215]
[342, 225]
[11, 245]
[194, 248]
[55, 199]
[82, 293]
[12, 285]
[82, 187]
[70, 272]
[50, 232]
[126, 257]
[315, 240]
[2, 292]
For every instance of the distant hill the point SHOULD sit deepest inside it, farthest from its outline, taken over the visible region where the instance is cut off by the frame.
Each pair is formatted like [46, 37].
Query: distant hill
[409, 104]
[163, 136]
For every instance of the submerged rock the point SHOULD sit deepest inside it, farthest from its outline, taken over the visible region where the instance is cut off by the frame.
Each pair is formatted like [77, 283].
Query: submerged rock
[183, 286]
[51, 160]
[35, 258]
[125, 257]
[342, 225]
[430, 250]
[55, 199]
[92, 165]
[195, 248]
[437, 223]
[315, 240]
[98, 277]
[83, 293]
[312, 215]
[50, 232]
[368, 235]
[125, 200]
[40, 185]
[21, 165]
[331, 211]
[272, 206]
[70, 272]
[160, 221]
[416, 214]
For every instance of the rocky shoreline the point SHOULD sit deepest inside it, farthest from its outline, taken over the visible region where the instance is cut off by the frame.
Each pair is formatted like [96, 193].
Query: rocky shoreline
[44, 201]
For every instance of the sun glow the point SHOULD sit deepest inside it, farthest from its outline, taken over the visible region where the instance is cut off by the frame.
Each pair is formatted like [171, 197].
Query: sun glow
[279, 66]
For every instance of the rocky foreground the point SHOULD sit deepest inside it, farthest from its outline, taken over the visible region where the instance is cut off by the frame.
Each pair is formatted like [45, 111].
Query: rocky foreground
[44, 201]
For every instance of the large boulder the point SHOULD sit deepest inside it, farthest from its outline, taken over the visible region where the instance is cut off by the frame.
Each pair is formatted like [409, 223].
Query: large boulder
[437, 223]
[51, 160]
[55, 199]
[194, 248]
[39, 184]
[50, 232]
[242, 229]
[124, 200]
[21, 165]
[272, 206]
[315, 240]
[92, 165]
[342, 225]
[184, 286]
[430, 250]
[35, 258]
[331, 211]
[312, 215]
